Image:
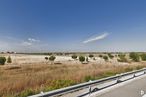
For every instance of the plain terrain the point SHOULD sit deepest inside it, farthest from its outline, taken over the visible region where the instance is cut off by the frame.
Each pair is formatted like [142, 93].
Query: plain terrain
[31, 74]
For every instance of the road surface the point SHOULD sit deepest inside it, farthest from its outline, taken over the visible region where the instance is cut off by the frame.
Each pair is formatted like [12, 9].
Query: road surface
[130, 88]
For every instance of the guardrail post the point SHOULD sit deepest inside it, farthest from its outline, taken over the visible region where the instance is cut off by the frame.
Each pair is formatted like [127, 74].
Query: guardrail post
[134, 75]
[144, 72]
[118, 79]
[90, 88]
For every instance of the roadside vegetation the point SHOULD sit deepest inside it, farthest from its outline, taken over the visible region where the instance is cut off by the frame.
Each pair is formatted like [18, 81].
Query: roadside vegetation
[25, 80]
[28, 80]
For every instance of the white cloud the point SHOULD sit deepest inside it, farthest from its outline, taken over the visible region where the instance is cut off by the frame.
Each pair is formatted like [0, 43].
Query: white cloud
[33, 40]
[26, 43]
[96, 38]
[30, 42]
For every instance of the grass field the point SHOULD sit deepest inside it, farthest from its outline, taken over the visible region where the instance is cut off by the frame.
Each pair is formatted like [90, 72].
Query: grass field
[24, 80]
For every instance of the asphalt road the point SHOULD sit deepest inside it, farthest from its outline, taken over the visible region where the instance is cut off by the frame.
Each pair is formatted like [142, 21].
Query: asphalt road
[131, 88]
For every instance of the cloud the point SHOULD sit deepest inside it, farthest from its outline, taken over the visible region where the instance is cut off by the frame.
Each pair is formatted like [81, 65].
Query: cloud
[96, 38]
[30, 42]
[25, 43]
[33, 40]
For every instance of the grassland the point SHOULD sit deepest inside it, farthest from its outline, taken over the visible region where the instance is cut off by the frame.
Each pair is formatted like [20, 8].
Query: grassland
[24, 80]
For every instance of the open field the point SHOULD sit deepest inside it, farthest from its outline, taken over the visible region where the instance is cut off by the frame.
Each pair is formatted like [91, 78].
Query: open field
[31, 74]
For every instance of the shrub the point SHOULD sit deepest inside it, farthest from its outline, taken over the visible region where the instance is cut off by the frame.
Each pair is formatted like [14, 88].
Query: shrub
[81, 59]
[91, 56]
[105, 58]
[74, 57]
[88, 78]
[9, 60]
[87, 59]
[46, 58]
[122, 58]
[52, 58]
[134, 56]
[2, 60]
[100, 56]
[110, 56]
[143, 57]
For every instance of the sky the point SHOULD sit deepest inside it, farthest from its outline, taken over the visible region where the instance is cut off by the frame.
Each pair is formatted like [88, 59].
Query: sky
[72, 25]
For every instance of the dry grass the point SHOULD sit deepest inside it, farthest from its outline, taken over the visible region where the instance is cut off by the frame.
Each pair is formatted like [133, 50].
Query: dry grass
[20, 81]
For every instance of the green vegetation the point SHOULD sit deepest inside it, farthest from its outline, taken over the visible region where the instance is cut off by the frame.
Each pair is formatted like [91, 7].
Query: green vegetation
[52, 58]
[143, 57]
[91, 56]
[100, 56]
[81, 59]
[2, 60]
[9, 60]
[74, 57]
[105, 58]
[134, 56]
[122, 58]
[87, 59]
[46, 58]
[110, 56]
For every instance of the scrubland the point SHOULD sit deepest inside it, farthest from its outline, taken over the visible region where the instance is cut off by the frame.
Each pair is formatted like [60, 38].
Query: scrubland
[24, 80]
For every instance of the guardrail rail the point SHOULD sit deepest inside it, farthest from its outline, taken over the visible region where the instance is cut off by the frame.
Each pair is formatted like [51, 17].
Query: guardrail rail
[81, 86]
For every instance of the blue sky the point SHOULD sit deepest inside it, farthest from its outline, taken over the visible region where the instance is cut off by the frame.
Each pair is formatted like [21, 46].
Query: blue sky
[72, 25]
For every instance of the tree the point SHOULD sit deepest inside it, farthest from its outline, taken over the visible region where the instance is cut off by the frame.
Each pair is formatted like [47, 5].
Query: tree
[2, 60]
[110, 56]
[81, 59]
[134, 56]
[91, 56]
[105, 58]
[87, 59]
[143, 57]
[122, 58]
[100, 56]
[52, 58]
[46, 58]
[9, 60]
[74, 57]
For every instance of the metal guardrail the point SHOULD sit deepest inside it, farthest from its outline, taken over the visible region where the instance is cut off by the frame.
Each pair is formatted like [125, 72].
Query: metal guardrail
[81, 86]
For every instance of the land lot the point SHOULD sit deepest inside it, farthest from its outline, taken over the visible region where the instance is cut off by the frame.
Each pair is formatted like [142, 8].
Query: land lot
[31, 74]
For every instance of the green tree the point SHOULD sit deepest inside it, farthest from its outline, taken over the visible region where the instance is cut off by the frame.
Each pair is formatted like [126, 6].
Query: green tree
[110, 56]
[87, 59]
[100, 56]
[81, 59]
[9, 60]
[74, 57]
[105, 58]
[122, 58]
[134, 56]
[52, 58]
[91, 56]
[143, 57]
[2, 60]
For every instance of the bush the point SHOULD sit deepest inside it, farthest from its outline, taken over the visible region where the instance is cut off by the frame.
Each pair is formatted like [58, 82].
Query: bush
[52, 58]
[87, 59]
[105, 58]
[74, 57]
[2, 60]
[88, 78]
[100, 56]
[91, 56]
[9, 60]
[122, 58]
[81, 59]
[110, 56]
[134, 56]
[46, 58]
[143, 57]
